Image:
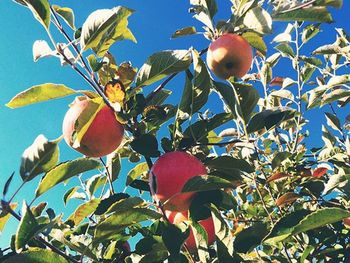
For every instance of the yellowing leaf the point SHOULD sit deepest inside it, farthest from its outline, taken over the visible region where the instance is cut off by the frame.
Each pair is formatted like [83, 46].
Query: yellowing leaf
[115, 91]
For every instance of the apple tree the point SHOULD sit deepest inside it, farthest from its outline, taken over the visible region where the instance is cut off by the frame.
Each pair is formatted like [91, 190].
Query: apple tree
[239, 181]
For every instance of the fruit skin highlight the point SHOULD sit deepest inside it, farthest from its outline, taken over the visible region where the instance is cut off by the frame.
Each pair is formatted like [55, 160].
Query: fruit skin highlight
[102, 137]
[229, 56]
[168, 176]
[207, 224]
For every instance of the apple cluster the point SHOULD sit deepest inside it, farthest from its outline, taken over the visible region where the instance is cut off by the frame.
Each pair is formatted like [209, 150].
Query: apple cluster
[167, 177]
[230, 55]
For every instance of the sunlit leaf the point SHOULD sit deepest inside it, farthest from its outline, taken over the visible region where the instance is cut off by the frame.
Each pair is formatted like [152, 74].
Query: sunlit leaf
[205, 183]
[84, 210]
[104, 27]
[40, 10]
[39, 93]
[137, 171]
[250, 237]
[65, 171]
[191, 30]
[38, 158]
[66, 13]
[161, 64]
[117, 222]
[27, 229]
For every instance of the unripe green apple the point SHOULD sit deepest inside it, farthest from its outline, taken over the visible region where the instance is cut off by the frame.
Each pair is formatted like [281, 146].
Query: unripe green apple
[207, 224]
[168, 176]
[229, 56]
[102, 137]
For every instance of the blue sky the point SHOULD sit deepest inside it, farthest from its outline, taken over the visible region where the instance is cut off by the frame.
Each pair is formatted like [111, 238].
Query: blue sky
[153, 23]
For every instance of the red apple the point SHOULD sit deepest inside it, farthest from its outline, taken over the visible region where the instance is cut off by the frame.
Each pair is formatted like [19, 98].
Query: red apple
[102, 137]
[229, 55]
[346, 222]
[168, 176]
[207, 224]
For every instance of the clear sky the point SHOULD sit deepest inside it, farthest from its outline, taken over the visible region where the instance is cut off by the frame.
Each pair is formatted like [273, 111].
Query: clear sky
[153, 23]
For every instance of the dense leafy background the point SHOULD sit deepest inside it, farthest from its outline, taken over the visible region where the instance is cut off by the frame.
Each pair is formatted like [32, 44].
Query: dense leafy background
[45, 117]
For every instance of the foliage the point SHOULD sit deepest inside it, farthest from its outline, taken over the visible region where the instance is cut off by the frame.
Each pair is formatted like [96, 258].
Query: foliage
[271, 195]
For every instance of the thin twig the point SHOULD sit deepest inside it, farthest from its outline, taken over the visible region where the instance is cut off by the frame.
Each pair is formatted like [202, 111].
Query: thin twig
[109, 176]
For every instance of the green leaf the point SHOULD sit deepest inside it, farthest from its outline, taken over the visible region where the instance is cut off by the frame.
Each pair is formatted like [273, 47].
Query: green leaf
[338, 80]
[249, 97]
[173, 237]
[229, 164]
[7, 184]
[205, 183]
[106, 203]
[124, 204]
[4, 216]
[302, 221]
[267, 119]
[38, 158]
[39, 93]
[336, 181]
[286, 50]
[191, 30]
[104, 27]
[117, 222]
[256, 41]
[312, 14]
[159, 98]
[20, 2]
[65, 171]
[158, 254]
[319, 218]
[114, 165]
[333, 121]
[66, 13]
[59, 235]
[201, 83]
[227, 95]
[334, 3]
[284, 227]
[69, 194]
[94, 64]
[258, 20]
[40, 10]
[137, 171]
[224, 241]
[204, 11]
[27, 228]
[161, 64]
[36, 255]
[251, 237]
[146, 145]
[84, 210]
[198, 131]
[201, 239]
[94, 182]
[335, 95]
[279, 158]
[309, 32]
